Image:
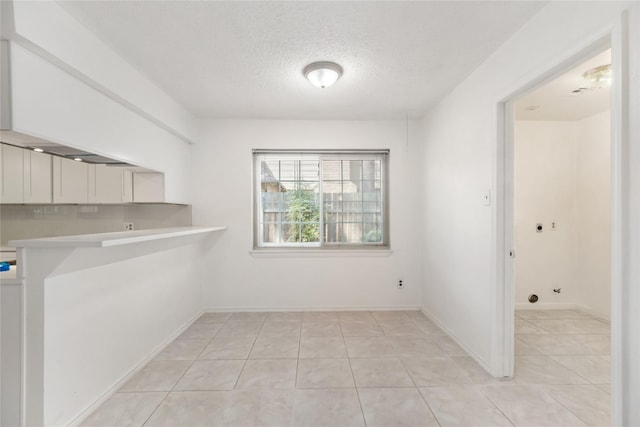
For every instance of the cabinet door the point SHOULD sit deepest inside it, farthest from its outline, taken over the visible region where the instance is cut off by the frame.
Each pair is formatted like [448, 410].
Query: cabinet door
[12, 174]
[148, 187]
[70, 181]
[106, 184]
[37, 177]
[127, 186]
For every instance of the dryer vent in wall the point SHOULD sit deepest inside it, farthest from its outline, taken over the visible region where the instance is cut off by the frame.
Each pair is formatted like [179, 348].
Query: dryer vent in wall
[533, 298]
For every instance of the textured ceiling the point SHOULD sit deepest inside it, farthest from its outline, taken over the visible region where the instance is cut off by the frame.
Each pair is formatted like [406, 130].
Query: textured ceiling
[556, 100]
[245, 59]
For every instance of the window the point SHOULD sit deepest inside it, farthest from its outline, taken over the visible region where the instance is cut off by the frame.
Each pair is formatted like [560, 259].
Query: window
[320, 198]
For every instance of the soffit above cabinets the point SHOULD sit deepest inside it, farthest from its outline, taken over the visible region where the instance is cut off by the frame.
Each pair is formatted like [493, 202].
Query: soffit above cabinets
[29, 142]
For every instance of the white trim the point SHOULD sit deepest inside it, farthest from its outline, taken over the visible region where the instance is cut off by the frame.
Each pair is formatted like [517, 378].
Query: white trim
[318, 253]
[307, 308]
[613, 35]
[122, 381]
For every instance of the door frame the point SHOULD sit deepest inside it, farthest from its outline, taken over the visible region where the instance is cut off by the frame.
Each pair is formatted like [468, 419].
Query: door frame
[614, 37]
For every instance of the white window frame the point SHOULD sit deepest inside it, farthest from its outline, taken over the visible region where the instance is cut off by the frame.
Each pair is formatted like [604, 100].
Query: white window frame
[320, 155]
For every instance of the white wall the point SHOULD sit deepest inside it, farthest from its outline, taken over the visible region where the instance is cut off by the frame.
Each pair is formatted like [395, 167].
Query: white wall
[94, 316]
[461, 289]
[222, 176]
[34, 221]
[546, 157]
[46, 28]
[562, 175]
[51, 104]
[593, 206]
[69, 87]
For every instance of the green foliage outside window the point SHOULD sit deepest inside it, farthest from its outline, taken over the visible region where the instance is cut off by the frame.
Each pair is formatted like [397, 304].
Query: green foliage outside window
[304, 216]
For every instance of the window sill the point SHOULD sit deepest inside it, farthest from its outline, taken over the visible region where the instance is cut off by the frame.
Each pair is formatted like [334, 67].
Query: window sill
[319, 253]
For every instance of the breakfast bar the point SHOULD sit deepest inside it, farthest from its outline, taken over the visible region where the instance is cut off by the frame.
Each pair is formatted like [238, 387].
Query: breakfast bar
[85, 312]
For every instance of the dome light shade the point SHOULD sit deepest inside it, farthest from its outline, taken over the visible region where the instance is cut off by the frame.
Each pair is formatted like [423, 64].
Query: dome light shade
[598, 77]
[322, 74]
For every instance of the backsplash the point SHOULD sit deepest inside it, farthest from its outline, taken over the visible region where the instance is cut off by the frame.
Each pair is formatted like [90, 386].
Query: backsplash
[33, 221]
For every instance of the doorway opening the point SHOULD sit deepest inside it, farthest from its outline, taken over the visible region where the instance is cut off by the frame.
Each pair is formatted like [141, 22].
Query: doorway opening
[506, 253]
[560, 231]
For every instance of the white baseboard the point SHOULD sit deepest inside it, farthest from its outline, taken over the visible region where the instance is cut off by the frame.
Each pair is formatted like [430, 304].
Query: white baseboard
[453, 336]
[302, 308]
[116, 386]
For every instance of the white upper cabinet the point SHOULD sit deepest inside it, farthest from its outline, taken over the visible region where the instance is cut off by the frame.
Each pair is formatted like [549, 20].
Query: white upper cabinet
[37, 177]
[12, 174]
[127, 186]
[70, 181]
[30, 177]
[109, 184]
[148, 187]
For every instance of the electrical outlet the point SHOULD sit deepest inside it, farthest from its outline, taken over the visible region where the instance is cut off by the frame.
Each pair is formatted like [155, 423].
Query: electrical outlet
[400, 284]
[128, 226]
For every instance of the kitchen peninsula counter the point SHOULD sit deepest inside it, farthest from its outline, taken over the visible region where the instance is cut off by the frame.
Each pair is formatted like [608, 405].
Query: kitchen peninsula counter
[86, 312]
[112, 239]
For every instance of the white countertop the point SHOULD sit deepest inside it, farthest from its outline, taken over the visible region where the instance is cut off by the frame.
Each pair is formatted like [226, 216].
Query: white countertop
[112, 239]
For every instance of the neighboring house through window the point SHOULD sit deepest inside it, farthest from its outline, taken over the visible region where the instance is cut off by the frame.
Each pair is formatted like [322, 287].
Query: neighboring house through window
[320, 198]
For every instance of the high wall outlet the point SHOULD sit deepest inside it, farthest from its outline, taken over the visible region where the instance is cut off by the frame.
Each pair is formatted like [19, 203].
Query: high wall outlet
[400, 284]
[128, 226]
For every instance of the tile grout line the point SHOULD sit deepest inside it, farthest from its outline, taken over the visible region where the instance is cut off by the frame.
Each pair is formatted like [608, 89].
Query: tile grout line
[353, 377]
[155, 408]
[183, 374]
[424, 399]
[565, 407]
[295, 382]
[498, 408]
[246, 359]
[411, 322]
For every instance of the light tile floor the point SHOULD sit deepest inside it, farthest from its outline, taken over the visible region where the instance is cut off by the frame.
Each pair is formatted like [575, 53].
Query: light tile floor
[385, 369]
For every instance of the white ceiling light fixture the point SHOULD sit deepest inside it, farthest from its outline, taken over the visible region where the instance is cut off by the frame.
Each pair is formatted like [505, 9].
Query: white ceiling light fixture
[598, 77]
[322, 74]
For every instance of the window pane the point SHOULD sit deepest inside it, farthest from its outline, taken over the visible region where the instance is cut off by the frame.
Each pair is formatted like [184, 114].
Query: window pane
[290, 199]
[271, 233]
[303, 213]
[347, 197]
[332, 170]
[310, 170]
[372, 232]
[351, 233]
[371, 170]
[288, 170]
[270, 169]
[350, 195]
